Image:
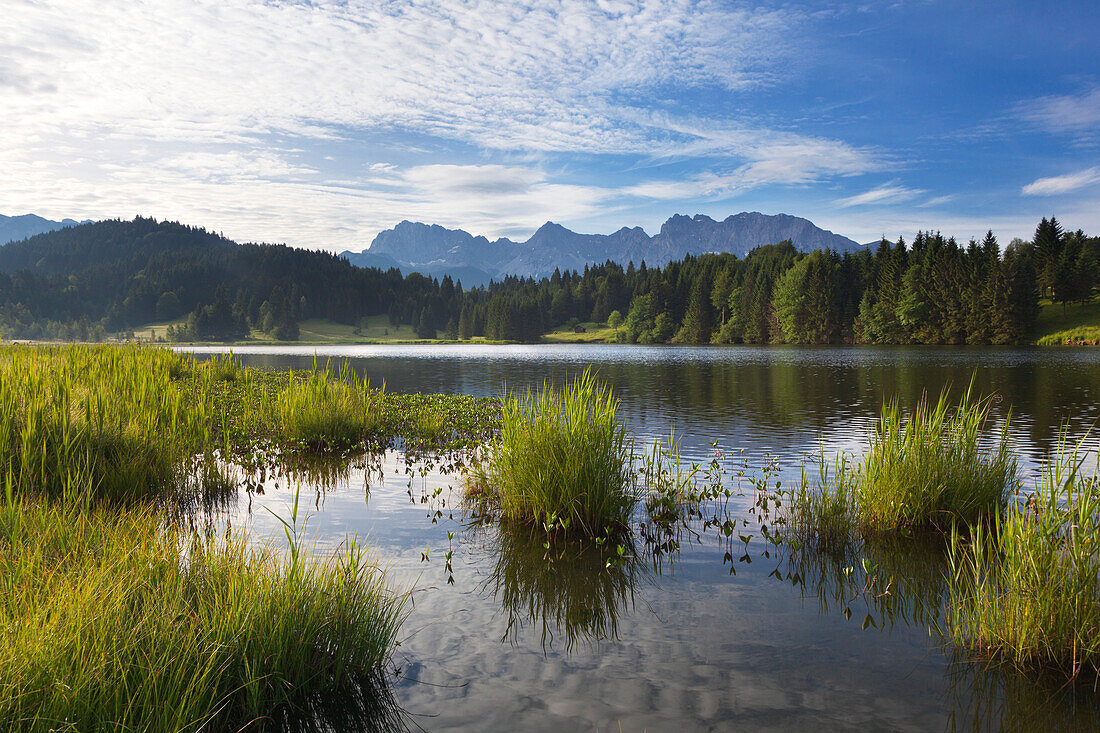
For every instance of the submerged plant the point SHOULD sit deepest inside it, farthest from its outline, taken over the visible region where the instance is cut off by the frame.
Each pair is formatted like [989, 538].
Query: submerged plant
[1028, 589]
[563, 460]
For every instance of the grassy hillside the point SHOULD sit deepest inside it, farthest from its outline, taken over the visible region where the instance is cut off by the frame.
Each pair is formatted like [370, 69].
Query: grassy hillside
[1074, 324]
[372, 330]
[595, 333]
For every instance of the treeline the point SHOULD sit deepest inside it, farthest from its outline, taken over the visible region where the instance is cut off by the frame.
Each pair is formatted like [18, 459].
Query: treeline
[932, 291]
[115, 276]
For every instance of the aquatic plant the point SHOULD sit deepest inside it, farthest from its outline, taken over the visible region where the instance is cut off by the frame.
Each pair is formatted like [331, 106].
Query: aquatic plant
[1027, 590]
[825, 510]
[113, 621]
[932, 469]
[672, 491]
[563, 459]
[326, 413]
[106, 420]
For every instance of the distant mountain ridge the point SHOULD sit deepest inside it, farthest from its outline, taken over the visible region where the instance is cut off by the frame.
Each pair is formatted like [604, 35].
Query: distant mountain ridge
[434, 250]
[16, 228]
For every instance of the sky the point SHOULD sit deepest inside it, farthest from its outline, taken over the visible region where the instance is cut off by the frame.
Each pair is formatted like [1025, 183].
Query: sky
[321, 123]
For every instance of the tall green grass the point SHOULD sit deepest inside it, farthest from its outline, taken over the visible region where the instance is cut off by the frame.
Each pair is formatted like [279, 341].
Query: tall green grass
[112, 622]
[938, 466]
[563, 459]
[1028, 589]
[327, 413]
[932, 469]
[106, 420]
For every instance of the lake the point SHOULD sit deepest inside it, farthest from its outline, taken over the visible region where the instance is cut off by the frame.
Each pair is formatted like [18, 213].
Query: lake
[697, 631]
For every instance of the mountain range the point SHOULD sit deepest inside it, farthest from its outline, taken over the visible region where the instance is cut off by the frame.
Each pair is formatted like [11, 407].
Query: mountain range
[15, 228]
[434, 250]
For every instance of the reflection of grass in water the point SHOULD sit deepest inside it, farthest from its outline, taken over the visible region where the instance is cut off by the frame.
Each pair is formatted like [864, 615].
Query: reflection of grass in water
[899, 582]
[576, 588]
[990, 696]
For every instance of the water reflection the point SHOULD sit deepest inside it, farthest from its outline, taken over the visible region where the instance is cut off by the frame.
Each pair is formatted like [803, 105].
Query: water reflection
[784, 399]
[883, 582]
[572, 590]
[369, 704]
[985, 696]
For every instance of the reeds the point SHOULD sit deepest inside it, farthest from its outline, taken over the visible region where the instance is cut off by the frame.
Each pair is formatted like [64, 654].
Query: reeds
[113, 618]
[932, 469]
[327, 413]
[1028, 589]
[112, 622]
[563, 460]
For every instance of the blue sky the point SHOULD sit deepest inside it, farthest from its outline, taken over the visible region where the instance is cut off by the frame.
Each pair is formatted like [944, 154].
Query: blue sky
[319, 124]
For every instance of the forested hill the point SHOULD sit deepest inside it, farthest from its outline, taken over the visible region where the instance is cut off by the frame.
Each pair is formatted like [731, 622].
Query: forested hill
[112, 276]
[115, 275]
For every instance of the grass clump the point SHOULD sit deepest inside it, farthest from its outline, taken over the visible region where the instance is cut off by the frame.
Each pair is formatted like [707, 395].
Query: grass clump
[563, 460]
[1027, 590]
[928, 471]
[932, 469]
[327, 413]
[105, 420]
[825, 510]
[111, 622]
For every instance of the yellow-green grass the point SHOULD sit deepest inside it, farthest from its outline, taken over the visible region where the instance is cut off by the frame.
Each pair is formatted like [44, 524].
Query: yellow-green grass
[112, 622]
[1073, 324]
[595, 333]
[373, 329]
[1027, 590]
[155, 331]
[940, 465]
[563, 460]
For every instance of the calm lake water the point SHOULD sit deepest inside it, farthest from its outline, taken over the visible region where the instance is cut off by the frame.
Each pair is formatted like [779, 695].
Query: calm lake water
[721, 634]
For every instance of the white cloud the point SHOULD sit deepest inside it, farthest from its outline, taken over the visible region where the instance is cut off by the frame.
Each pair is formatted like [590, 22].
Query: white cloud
[201, 111]
[937, 201]
[1062, 184]
[538, 75]
[889, 194]
[1069, 113]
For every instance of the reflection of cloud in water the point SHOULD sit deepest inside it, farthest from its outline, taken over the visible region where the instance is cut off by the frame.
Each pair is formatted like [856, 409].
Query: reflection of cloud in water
[691, 649]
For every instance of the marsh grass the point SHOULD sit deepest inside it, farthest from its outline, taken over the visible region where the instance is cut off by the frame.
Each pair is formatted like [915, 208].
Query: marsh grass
[563, 460]
[114, 621]
[672, 492]
[824, 510]
[1027, 589]
[327, 413]
[939, 467]
[933, 470]
[104, 420]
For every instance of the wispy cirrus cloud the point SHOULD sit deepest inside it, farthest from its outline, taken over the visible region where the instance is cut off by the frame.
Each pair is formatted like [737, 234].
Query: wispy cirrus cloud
[1055, 185]
[1065, 113]
[888, 194]
[192, 98]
